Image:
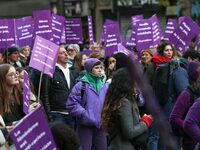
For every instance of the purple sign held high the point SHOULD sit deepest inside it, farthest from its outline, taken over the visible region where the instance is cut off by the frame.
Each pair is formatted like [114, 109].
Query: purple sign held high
[7, 33]
[58, 23]
[43, 24]
[44, 56]
[134, 20]
[170, 27]
[184, 33]
[90, 30]
[144, 35]
[24, 31]
[33, 132]
[73, 29]
[156, 29]
[63, 36]
[26, 93]
[112, 38]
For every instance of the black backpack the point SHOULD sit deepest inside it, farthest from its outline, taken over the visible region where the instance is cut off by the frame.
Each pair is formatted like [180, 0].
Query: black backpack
[161, 78]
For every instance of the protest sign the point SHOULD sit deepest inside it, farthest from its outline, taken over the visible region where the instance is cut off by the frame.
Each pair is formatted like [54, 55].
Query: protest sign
[44, 56]
[7, 33]
[33, 133]
[24, 31]
[43, 24]
[90, 30]
[170, 27]
[73, 29]
[26, 93]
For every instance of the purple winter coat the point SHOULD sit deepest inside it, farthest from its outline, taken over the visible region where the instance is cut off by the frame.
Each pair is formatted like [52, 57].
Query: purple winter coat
[88, 109]
[178, 114]
[191, 124]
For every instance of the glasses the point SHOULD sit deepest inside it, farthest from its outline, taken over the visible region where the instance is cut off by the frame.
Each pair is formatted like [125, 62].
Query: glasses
[13, 74]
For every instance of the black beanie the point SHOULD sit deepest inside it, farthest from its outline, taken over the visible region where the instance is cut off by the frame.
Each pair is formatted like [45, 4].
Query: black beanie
[12, 49]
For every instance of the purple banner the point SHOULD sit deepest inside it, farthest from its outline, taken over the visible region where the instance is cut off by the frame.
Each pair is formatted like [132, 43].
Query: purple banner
[44, 56]
[90, 30]
[43, 24]
[134, 20]
[144, 35]
[156, 29]
[26, 93]
[32, 132]
[7, 33]
[73, 29]
[112, 38]
[58, 23]
[184, 33]
[170, 27]
[24, 31]
[129, 43]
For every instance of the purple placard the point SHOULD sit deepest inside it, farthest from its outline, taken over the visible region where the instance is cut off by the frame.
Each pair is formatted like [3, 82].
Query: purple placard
[122, 49]
[43, 24]
[58, 23]
[184, 33]
[73, 29]
[90, 30]
[156, 29]
[134, 20]
[180, 19]
[24, 31]
[44, 56]
[106, 23]
[112, 38]
[26, 93]
[7, 33]
[128, 43]
[144, 35]
[32, 132]
[170, 27]
[63, 37]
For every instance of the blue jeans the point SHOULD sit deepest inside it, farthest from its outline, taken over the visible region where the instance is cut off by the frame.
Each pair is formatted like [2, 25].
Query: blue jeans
[66, 119]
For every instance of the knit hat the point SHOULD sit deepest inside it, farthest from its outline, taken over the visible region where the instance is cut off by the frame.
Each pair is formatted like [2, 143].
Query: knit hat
[74, 47]
[12, 49]
[90, 62]
[192, 70]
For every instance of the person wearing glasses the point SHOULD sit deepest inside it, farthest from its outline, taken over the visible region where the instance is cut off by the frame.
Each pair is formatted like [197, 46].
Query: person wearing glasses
[11, 108]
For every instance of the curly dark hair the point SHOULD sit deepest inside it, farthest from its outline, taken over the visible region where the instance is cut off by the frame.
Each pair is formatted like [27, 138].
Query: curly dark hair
[122, 86]
[162, 46]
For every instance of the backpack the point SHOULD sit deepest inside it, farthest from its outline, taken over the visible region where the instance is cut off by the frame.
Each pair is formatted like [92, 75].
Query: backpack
[161, 78]
[179, 132]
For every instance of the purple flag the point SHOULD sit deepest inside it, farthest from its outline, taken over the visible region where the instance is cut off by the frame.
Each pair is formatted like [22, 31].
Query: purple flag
[184, 33]
[156, 29]
[170, 27]
[7, 33]
[44, 56]
[26, 93]
[73, 29]
[112, 38]
[90, 30]
[24, 31]
[144, 35]
[58, 23]
[43, 24]
[134, 20]
[33, 132]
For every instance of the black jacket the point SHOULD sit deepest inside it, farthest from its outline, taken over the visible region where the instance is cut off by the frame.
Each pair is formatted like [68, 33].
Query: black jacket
[55, 91]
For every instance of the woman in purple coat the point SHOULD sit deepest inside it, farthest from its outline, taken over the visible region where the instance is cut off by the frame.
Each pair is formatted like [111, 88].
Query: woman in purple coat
[86, 108]
[183, 104]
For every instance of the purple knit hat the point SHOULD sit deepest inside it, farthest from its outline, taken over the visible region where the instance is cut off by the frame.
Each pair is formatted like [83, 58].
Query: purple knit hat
[90, 62]
[192, 70]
